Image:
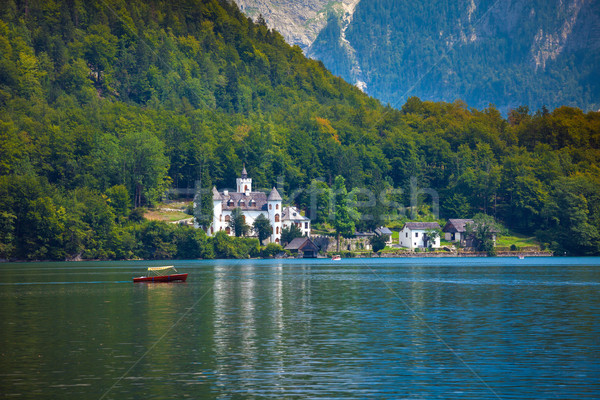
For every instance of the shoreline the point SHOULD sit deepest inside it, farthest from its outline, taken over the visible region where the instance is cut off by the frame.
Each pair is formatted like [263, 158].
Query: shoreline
[369, 255]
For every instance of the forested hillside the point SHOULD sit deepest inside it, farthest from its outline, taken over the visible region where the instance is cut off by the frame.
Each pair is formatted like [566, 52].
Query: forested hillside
[105, 105]
[507, 53]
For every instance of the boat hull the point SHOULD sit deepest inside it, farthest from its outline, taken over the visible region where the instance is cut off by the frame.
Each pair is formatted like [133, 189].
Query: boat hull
[162, 278]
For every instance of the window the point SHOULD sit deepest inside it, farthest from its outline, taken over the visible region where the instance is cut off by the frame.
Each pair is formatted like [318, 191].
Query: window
[277, 206]
[406, 234]
[245, 188]
[227, 218]
[306, 225]
[276, 217]
[270, 206]
[277, 230]
[277, 240]
[416, 234]
[228, 230]
[252, 203]
[229, 203]
[242, 203]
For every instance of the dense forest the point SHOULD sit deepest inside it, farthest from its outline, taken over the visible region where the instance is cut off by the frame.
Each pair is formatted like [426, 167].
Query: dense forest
[106, 105]
[507, 53]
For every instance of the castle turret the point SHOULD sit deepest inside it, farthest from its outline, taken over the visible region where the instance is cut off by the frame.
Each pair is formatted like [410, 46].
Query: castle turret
[275, 215]
[217, 210]
[244, 184]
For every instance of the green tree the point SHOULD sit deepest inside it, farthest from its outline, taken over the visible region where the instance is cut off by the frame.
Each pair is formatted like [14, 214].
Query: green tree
[378, 242]
[145, 166]
[118, 198]
[344, 215]
[482, 230]
[289, 234]
[431, 235]
[237, 223]
[7, 228]
[262, 227]
[271, 250]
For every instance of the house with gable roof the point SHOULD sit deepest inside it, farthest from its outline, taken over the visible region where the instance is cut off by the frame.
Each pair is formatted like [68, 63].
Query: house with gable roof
[455, 230]
[292, 216]
[414, 235]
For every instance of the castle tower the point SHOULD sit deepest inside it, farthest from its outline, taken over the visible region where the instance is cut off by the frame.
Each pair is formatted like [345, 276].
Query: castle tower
[275, 215]
[217, 211]
[244, 184]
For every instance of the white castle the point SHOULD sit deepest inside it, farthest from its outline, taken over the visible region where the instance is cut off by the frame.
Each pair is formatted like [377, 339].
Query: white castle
[252, 204]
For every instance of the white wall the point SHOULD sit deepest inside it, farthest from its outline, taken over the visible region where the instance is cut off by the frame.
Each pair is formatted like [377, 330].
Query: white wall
[414, 238]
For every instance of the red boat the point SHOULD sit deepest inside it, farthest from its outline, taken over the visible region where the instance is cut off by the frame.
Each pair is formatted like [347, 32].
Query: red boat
[162, 274]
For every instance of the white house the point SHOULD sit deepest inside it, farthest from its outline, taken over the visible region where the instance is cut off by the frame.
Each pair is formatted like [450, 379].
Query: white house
[291, 216]
[414, 235]
[383, 231]
[455, 230]
[252, 205]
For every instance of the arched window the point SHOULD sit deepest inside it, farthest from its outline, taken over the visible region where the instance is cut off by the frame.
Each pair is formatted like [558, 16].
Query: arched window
[272, 230]
[276, 217]
[277, 240]
[245, 188]
[244, 218]
[270, 206]
[230, 203]
[277, 230]
[277, 206]
[228, 230]
[252, 203]
[227, 218]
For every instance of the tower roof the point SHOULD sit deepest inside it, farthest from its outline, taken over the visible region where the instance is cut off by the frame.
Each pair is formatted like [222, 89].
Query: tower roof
[274, 195]
[216, 194]
[244, 173]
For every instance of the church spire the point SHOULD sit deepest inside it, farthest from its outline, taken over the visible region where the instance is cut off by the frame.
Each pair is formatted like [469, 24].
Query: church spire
[244, 173]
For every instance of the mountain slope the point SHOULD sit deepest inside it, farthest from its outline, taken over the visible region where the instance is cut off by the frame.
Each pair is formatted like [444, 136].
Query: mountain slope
[506, 52]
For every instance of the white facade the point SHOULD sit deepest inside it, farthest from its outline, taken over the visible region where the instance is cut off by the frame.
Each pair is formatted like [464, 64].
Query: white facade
[414, 235]
[292, 216]
[252, 204]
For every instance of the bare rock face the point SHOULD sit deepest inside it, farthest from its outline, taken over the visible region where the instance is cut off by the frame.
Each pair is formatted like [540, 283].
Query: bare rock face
[299, 21]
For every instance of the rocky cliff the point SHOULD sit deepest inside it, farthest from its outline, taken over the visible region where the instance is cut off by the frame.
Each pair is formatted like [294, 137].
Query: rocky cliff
[505, 52]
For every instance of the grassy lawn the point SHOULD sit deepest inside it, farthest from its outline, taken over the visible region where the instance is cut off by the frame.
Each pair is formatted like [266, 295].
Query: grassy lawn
[516, 239]
[167, 216]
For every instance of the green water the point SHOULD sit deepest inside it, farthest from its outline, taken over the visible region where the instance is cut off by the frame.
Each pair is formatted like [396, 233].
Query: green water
[392, 328]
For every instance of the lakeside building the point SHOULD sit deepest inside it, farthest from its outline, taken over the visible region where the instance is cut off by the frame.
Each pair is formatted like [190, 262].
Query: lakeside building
[414, 235]
[455, 230]
[292, 216]
[252, 204]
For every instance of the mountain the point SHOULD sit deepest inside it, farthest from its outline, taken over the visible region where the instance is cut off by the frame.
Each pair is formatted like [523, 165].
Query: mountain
[299, 22]
[504, 52]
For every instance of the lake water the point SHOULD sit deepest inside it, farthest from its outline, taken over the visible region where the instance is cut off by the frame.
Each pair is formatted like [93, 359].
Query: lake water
[479, 328]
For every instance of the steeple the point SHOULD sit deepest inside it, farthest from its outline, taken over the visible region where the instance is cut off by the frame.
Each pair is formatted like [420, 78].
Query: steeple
[244, 184]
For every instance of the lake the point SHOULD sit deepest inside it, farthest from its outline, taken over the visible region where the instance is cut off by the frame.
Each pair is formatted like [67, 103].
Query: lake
[450, 328]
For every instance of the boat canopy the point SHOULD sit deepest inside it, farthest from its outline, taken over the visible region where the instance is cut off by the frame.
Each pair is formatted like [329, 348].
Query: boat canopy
[160, 271]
